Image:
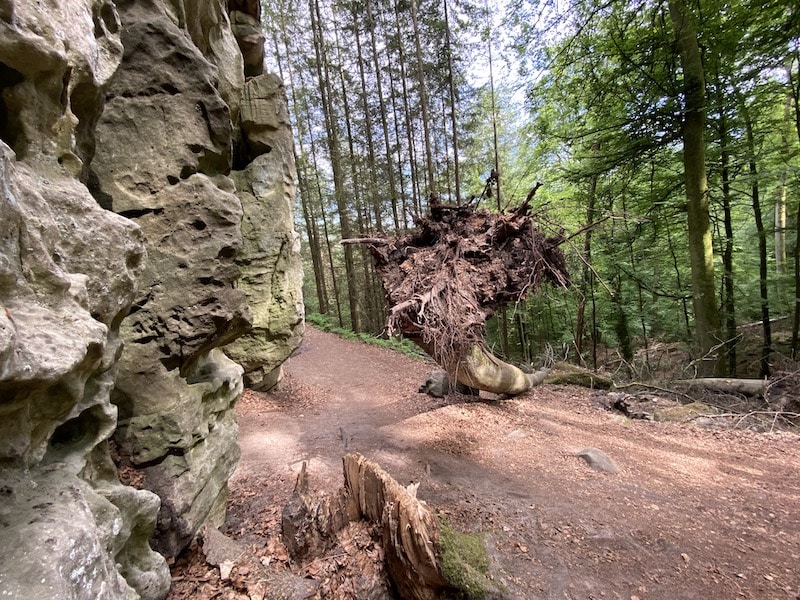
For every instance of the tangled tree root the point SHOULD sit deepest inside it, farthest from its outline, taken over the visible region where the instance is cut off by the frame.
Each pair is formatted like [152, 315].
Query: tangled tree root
[460, 265]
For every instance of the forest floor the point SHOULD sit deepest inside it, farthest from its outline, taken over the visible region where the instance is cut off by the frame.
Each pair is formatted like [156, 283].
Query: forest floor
[691, 513]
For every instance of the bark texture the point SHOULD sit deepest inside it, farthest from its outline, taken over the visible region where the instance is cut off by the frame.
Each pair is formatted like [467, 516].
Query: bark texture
[313, 525]
[706, 313]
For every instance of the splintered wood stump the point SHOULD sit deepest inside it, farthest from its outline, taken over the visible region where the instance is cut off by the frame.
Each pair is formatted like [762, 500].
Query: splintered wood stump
[410, 529]
[410, 532]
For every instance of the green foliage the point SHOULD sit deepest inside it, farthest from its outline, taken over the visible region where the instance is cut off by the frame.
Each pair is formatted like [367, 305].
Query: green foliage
[595, 113]
[605, 100]
[465, 561]
[404, 346]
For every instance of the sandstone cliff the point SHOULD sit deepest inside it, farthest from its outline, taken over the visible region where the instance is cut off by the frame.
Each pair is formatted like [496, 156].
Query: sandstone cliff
[132, 256]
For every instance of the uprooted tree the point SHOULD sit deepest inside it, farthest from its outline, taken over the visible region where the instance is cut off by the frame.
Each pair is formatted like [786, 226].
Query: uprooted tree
[457, 268]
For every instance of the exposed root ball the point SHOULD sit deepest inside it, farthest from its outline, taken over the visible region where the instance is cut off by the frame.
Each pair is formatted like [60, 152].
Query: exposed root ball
[444, 280]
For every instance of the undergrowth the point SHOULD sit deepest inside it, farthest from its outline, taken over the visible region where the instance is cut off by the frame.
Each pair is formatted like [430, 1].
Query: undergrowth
[404, 346]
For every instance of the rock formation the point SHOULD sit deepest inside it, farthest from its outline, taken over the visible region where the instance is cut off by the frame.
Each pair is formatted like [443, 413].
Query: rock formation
[68, 271]
[121, 225]
[163, 150]
[270, 261]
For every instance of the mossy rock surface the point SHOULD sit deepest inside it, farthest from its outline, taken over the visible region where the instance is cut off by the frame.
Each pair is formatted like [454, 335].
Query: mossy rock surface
[465, 561]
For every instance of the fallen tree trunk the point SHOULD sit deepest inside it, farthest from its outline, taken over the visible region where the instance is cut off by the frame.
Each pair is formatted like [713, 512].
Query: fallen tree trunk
[458, 267]
[747, 387]
[568, 374]
[480, 369]
[483, 370]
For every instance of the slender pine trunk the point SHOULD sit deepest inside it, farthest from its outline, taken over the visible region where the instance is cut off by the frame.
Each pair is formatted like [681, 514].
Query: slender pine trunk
[766, 347]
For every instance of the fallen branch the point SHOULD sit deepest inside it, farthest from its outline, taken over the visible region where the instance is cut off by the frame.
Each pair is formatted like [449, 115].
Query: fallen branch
[650, 386]
[522, 209]
[789, 417]
[742, 416]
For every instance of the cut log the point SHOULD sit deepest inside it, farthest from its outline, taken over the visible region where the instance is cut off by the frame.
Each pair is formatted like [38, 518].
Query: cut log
[747, 387]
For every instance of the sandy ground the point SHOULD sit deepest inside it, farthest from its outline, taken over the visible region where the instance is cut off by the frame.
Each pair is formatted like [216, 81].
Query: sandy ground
[691, 513]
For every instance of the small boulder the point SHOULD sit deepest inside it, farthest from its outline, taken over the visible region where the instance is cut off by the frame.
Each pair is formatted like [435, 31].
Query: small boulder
[598, 460]
[439, 384]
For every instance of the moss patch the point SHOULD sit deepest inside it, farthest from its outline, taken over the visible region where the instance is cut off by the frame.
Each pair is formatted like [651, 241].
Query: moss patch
[565, 373]
[683, 412]
[465, 561]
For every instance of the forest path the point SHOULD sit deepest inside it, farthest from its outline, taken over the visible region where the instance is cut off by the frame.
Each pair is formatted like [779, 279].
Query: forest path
[691, 513]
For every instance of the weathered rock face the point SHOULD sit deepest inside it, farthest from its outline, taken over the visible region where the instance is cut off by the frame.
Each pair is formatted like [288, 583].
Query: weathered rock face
[270, 261]
[68, 270]
[246, 24]
[209, 26]
[120, 253]
[164, 145]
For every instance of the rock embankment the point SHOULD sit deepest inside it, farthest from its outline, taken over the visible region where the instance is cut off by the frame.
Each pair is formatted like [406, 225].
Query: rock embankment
[132, 256]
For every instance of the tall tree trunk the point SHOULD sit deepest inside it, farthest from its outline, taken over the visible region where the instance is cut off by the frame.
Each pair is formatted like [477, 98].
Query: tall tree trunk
[587, 276]
[630, 236]
[331, 130]
[384, 117]
[304, 189]
[782, 199]
[621, 328]
[706, 313]
[728, 302]
[780, 225]
[357, 184]
[496, 176]
[372, 167]
[412, 157]
[766, 348]
[423, 101]
[404, 208]
[679, 283]
[329, 252]
[453, 103]
[794, 90]
[444, 151]
[313, 241]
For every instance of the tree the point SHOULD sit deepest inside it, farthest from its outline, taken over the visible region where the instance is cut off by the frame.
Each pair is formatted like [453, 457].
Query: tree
[461, 265]
[706, 313]
[423, 101]
[632, 119]
[331, 129]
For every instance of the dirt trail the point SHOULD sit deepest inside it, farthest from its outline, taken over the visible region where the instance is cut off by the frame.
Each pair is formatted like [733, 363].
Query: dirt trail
[691, 513]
